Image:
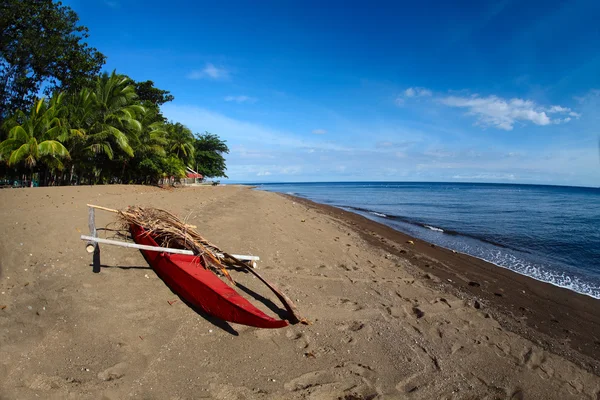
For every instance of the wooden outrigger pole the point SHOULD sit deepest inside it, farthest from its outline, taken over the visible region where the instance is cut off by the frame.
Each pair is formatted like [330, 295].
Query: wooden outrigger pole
[93, 241]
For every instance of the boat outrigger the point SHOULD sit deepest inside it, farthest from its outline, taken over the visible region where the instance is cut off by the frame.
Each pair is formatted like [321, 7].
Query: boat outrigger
[189, 265]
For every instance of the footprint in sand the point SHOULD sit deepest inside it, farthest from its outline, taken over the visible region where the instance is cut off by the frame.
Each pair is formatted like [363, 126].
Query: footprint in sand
[546, 372]
[356, 326]
[302, 340]
[349, 329]
[456, 347]
[45, 383]
[418, 313]
[414, 383]
[114, 372]
[266, 333]
[502, 349]
[349, 304]
[574, 387]
[396, 312]
[346, 381]
[517, 395]
[533, 358]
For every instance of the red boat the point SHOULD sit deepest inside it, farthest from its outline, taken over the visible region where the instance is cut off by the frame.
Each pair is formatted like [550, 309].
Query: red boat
[187, 276]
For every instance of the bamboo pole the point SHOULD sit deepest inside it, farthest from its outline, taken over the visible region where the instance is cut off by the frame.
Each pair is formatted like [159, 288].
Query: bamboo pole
[163, 249]
[137, 246]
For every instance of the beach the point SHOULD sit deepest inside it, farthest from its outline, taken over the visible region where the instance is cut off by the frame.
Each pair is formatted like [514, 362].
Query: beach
[392, 317]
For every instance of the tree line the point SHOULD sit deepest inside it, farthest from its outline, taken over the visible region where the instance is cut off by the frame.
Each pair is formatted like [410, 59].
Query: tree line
[87, 127]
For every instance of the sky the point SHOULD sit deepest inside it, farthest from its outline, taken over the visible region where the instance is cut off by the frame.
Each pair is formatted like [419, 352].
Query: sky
[463, 91]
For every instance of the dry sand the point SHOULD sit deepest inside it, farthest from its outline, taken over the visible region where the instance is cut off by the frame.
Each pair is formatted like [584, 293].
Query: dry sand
[387, 322]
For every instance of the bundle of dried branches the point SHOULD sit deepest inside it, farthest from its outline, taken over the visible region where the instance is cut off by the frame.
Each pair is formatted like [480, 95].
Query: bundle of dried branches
[169, 231]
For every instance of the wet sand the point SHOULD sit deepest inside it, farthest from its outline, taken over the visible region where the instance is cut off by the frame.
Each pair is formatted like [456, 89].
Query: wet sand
[390, 319]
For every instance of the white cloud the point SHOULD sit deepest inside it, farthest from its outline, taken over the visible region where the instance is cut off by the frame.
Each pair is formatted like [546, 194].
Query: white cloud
[503, 114]
[417, 92]
[241, 99]
[495, 111]
[319, 131]
[209, 71]
[563, 110]
[410, 93]
[558, 109]
[112, 4]
[291, 170]
[264, 173]
[590, 95]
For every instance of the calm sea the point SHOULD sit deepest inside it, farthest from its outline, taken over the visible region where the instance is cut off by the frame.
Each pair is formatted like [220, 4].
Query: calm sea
[550, 233]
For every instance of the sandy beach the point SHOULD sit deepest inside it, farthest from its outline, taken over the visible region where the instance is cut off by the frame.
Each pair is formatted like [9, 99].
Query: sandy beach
[390, 319]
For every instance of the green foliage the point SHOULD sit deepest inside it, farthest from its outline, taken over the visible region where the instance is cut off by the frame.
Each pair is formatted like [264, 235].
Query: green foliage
[180, 142]
[41, 44]
[103, 134]
[37, 136]
[147, 92]
[208, 155]
[103, 128]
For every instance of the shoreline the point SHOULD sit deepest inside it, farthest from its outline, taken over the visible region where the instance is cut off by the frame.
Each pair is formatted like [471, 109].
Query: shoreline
[463, 253]
[558, 319]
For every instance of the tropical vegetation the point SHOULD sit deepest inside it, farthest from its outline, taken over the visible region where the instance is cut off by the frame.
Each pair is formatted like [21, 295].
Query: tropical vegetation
[86, 127]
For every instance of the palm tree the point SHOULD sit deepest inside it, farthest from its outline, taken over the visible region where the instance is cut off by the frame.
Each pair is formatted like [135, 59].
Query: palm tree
[149, 148]
[36, 137]
[152, 138]
[105, 119]
[181, 142]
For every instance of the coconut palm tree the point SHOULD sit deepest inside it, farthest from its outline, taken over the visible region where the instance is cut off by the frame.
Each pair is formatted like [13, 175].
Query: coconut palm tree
[152, 139]
[34, 139]
[105, 120]
[149, 148]
[181, 142]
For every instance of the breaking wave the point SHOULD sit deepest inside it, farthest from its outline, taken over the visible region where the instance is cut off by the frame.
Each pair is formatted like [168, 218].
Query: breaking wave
[433, 228]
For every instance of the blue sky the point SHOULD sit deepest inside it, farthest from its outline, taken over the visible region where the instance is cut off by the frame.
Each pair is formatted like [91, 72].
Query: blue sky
[340, 91]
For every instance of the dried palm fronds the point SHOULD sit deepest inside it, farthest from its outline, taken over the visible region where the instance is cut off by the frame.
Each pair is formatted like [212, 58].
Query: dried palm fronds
[169, 231]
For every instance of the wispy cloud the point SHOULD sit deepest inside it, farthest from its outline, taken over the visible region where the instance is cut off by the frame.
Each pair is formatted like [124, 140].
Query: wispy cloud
[210, 71]
[241, 99]
[593, 93]
[411, 93]
[417, 92]
[495, 111]
[394, 145]
[500, 113]
[319, 131]
[112, 3]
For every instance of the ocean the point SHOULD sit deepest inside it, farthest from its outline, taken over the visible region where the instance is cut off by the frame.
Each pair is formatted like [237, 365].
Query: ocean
[550, 233]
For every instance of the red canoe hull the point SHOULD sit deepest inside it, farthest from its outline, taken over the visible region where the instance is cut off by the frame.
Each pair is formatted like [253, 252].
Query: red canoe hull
[188, 278]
